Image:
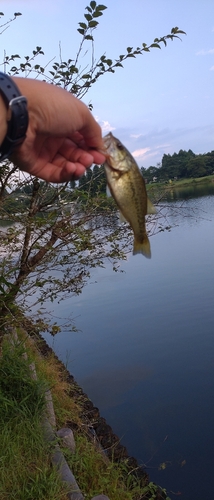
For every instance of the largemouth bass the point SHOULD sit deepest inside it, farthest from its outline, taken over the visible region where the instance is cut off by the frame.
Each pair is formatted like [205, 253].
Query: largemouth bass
[127, 187]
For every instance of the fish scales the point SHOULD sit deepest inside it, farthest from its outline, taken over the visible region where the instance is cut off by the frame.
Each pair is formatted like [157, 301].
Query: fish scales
[127, 186]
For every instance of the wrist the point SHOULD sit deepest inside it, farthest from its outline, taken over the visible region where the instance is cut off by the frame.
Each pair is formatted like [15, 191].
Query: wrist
[37, 94]
[16, 116]
[3, 120]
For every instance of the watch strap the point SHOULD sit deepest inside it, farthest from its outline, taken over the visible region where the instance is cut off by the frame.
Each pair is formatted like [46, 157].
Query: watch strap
[18, 122]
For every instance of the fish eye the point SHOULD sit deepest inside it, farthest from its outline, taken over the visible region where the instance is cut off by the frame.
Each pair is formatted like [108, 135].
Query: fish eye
[119, 145]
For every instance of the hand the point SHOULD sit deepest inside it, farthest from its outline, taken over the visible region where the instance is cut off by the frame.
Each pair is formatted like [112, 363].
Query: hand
[63, 138]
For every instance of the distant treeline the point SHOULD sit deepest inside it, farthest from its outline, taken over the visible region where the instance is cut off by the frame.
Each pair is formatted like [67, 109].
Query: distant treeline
[184, 164]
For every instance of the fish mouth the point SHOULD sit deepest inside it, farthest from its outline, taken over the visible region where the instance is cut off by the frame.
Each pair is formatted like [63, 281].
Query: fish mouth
[108, 162]
[107, 140]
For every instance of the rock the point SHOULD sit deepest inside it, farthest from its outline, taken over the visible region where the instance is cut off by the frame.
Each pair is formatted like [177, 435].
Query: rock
[67, 437]
[100, 497]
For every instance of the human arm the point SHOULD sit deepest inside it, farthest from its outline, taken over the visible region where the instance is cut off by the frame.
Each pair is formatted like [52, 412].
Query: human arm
[62, 138]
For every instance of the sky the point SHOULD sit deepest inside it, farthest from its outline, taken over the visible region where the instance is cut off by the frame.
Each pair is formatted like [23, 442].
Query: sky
[160, 102]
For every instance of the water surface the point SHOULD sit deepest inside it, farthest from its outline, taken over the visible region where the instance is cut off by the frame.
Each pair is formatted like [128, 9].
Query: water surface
[144, 352]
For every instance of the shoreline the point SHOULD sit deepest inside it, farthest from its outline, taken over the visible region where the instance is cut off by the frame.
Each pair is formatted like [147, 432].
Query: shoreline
[108, 440]
[180, 183]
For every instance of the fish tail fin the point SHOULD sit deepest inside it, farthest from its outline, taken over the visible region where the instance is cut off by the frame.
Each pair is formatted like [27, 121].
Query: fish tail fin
[142, 247]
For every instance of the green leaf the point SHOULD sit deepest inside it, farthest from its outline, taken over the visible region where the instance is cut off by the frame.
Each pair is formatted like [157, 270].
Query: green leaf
[97, 13]
[81, 31]
[17, 14]
[83, 25]
[109, 62]
[89, 9]
[88, 17]
[129, 49]
[93, 4]
[93, 24]
[174, 30]
[101, 7]
[155, 45]
[1, 13]
[89, 37]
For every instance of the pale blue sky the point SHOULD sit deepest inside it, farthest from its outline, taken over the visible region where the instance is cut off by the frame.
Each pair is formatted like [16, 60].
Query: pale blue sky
[160, 102]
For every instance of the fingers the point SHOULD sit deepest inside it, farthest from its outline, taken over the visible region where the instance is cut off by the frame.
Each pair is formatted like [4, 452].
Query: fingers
[68, 172]
[90, 130]
[61, 161]
[79, 153]
[98, 156]
[65, 172]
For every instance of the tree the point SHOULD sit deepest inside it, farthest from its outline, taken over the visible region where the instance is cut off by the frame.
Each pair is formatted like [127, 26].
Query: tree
[150, 173]
[175, 165]
[58, 235]
[196, 167]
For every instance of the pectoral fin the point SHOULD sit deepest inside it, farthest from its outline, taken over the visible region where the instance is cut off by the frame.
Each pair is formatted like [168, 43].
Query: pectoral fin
[122, 218]
[150, 207]
[108, 192]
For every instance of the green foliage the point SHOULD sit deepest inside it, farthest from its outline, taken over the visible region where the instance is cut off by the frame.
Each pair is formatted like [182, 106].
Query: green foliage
[25, 471]
[94, 181]
[182, 165]
[60, 233]
[19, 393]
[6, 25]
[69, 74]
[112, 479]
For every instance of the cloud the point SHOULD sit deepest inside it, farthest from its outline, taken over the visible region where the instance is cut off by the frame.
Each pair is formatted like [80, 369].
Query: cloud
[204, 52]
[148, 148]
[140, 152]
[135, 136]
[105, 125]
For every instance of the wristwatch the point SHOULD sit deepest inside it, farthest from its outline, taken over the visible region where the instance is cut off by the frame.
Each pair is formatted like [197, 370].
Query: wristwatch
[18, 116]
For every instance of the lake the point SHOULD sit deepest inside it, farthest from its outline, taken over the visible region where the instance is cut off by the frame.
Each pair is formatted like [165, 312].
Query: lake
[144, 352]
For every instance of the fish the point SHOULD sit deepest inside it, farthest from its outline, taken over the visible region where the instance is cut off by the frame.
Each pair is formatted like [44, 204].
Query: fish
[127, 186]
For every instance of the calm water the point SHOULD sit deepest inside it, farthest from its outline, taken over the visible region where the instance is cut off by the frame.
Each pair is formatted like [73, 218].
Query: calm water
[145, 350]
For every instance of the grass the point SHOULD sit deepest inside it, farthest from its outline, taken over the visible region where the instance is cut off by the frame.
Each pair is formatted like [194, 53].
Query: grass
[179, 183]
[26, 472]
[25, 469]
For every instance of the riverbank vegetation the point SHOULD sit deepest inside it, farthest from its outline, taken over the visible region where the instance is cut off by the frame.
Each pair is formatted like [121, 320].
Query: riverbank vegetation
[26, 470]
[59, 233]
[55, 236]
[181, 165]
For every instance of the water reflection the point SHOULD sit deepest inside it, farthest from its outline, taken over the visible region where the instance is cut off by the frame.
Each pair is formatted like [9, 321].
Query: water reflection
[190, 191]
[144, 350]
